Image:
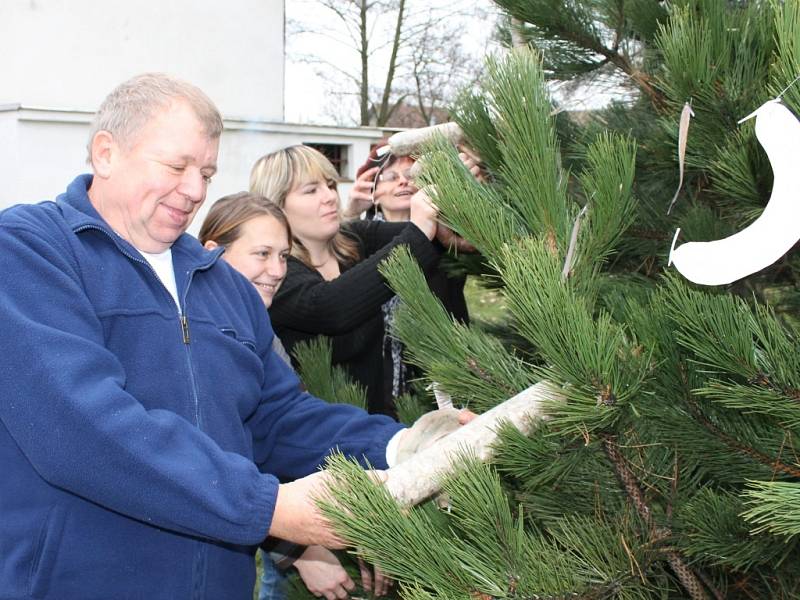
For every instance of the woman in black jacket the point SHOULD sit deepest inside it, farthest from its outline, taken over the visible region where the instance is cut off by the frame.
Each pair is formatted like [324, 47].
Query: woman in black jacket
[333, 286]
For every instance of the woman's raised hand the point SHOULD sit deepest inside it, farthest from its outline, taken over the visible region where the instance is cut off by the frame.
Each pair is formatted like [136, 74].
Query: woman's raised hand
[472, 161]
[424, 213]
[360, 196]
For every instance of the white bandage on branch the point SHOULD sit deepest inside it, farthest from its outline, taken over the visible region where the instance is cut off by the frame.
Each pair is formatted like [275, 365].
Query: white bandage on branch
[405, 143]
[420, 476]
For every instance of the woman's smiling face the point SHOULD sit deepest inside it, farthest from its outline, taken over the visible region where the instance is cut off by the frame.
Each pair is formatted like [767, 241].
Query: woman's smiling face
[260, 254]
[394, 188]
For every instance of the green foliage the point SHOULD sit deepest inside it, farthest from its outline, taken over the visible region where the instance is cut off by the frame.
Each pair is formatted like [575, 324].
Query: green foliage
[410, 547]
[531, 174]
[787, 66]
[570, 34]
[322, 378]
[477, 370]
[713, 327]
[607, 182]
[672, 464]
[466, 205]
[593, 355]
[471, 112]
[717, 533]
[773, 507]
[717, 57]
[410, 408]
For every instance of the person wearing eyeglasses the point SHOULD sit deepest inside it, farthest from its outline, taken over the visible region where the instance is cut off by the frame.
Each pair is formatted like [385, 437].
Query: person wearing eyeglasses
[382, 191]
[394, 187]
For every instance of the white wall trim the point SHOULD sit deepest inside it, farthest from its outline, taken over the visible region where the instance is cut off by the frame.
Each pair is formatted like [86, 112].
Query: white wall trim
[43, 114]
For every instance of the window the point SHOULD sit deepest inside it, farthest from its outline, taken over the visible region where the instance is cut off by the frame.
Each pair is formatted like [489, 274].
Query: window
[337, 154]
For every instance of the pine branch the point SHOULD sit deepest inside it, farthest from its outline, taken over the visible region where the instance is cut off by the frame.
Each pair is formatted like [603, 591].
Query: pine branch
[466, 205]
[575, 29]
[323, 379]
[607, 181]
[716, 328]
[787, 66]
[472, 114]
[714, 531]
[775, 464]
[463, 361]
[772, 506]
[408, 546]
[532, 177]
[689, 580]
[602, 366]
[750, 399]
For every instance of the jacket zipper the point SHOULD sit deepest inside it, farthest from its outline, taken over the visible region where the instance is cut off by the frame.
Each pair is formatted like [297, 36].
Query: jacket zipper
[185, 328]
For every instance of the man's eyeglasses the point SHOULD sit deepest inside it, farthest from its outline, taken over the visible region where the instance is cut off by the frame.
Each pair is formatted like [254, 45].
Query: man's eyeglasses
[391, 176]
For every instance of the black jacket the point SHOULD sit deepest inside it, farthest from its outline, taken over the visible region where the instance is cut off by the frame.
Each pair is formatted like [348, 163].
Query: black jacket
[348, 308]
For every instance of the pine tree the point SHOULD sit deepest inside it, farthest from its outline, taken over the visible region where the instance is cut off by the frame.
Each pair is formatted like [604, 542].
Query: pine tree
[670, 471]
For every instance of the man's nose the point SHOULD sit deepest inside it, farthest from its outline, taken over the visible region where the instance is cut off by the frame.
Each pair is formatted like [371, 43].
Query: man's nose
[193, 185]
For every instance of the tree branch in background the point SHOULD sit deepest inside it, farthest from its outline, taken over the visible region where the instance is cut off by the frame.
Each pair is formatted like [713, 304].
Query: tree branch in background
[384, 112]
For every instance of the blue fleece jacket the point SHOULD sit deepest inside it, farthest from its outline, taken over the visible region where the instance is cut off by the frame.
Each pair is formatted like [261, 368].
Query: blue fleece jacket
[135, 439]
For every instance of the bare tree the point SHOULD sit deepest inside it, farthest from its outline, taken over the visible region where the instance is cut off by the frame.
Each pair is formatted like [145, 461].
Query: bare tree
[404, 41]
[439, 67]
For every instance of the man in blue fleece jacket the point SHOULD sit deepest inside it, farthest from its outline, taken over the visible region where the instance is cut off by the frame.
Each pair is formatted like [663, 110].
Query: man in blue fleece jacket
[145, 423]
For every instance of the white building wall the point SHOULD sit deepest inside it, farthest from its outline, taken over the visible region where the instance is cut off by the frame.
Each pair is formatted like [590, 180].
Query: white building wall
[69, 54]
[60, 58]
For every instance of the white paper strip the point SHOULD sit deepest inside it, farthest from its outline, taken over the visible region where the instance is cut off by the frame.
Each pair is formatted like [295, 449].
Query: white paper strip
[777, 229]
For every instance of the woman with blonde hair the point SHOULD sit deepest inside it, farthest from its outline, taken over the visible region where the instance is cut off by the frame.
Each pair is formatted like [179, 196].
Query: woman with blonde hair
[333, 286]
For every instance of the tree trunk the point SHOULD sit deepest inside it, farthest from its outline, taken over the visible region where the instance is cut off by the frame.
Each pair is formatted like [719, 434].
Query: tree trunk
[386, 112]
[364, 54]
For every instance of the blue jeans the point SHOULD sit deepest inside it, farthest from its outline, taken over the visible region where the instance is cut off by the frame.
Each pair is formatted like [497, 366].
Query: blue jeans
[273, 582]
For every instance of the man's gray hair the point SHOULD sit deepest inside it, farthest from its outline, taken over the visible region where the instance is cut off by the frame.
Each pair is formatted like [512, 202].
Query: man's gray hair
[127, 109]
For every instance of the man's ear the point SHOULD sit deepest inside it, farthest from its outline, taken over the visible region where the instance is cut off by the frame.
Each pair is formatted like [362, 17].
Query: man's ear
[104, 149]
[210, 245]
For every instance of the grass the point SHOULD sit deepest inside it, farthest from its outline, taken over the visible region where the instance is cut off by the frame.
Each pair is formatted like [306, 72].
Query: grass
[485, 305]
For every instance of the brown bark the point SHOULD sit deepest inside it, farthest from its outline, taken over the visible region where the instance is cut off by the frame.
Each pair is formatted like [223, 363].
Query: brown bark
[689, 580]
[385, 112]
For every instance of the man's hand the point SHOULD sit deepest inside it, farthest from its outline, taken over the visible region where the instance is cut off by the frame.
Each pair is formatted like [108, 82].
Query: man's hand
[323, 574]
[297, 518]
[360, 195]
